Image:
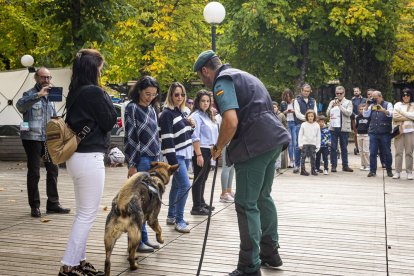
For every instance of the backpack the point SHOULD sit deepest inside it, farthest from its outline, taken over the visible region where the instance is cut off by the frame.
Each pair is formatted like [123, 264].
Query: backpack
[61, 141]
[116, 156]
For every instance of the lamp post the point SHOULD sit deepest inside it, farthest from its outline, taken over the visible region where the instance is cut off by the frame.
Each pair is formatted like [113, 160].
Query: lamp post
[214, 14]
[27, 61]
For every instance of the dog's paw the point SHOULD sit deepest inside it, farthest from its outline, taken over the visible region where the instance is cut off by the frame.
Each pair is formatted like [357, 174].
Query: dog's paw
[160, 239]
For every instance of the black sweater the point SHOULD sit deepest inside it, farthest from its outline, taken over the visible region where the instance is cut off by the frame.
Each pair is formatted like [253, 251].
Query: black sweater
[93, 108]
[362, 124]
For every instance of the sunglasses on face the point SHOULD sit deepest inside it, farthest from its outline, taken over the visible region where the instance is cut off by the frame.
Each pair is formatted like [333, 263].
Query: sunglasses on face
[179, 94]
[339, 93]
[406, 95]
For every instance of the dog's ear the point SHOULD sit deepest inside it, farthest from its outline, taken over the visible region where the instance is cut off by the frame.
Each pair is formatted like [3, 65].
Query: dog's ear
[153, 164]
[173, 168]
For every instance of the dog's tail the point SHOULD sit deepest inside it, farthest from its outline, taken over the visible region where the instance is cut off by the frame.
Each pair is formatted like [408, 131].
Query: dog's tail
[128, 190]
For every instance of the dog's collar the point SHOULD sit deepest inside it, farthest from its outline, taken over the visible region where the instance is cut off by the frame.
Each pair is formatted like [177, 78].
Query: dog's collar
[152, 189]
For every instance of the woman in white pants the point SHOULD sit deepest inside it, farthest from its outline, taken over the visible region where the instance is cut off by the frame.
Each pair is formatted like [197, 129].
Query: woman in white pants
[91, 115]
[403, 116]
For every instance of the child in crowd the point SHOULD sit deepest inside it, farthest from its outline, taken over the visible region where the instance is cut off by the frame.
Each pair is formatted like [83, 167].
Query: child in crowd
[309, 141]
[362, 125]
[282, 119]
[325, 144]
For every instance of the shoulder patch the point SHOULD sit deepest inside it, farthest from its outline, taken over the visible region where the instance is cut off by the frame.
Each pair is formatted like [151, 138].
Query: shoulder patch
[219, 92]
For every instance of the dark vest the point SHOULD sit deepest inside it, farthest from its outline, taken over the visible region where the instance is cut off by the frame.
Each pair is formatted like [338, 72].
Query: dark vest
[304, 107]
[380, 123]
[259, 130]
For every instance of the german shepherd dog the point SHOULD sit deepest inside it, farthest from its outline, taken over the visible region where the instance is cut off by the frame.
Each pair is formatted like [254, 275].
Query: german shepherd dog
[139, 200]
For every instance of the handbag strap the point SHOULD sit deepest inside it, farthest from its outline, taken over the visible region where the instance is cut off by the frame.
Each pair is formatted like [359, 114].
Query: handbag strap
[86, 129]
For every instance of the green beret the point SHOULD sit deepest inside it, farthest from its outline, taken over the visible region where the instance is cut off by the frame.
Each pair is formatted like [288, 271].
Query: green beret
[202, 59]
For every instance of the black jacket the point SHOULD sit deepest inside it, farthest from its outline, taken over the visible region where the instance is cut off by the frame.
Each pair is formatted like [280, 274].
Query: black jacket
[91, 106]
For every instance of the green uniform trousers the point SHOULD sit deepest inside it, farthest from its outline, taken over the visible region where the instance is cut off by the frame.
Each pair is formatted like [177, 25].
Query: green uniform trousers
[256, 211]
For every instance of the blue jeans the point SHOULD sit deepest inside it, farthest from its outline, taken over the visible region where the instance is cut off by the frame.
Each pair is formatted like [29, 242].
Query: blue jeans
[293, 142]
[383, 142]
[144, 166]
[297, 149]
[343, 141]
[179, 187]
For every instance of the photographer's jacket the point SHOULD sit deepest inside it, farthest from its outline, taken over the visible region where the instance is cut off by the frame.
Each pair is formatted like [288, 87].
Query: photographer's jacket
[37, 112]
[346, 112]
[380, 123]
[258, 130]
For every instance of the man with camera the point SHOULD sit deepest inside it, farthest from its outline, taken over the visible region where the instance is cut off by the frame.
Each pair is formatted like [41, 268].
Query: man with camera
[340, 111]
[37, 110]
[379, 131]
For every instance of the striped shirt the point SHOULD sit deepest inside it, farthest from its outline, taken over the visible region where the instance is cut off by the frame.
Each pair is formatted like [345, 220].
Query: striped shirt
[175, 133]
[141, 133]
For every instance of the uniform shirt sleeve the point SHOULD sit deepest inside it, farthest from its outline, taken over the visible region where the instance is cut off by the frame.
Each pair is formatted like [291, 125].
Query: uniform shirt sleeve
[225, 95]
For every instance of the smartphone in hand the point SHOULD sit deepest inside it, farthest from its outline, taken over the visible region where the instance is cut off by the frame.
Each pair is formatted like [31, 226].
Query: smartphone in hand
[55, 94]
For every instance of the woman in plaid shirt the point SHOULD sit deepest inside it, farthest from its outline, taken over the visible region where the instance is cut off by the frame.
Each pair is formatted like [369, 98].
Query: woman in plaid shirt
[141, 142]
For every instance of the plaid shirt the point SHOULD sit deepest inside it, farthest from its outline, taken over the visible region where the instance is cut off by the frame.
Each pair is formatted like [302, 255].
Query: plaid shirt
[141, 133]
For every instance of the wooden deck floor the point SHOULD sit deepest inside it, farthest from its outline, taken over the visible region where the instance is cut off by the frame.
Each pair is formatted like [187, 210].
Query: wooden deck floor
[341, 224]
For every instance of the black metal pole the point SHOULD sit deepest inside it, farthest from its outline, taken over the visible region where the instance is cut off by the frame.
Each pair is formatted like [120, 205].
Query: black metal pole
[213, 37]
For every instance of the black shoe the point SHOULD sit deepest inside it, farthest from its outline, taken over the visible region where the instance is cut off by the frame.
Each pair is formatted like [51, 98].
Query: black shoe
[36, 213]
[383, 165]
[389, 173]
[242, 273]
[371, 174]
[90, 270]
[199, 212]
[153, 245]
[296, 170]
[304, 172]
[319, 171]
[333, 169]
[143, 248]
[313, 172]
[57, 209]
[206, 206]
[347, 169]
[273, 261]
[77, 271]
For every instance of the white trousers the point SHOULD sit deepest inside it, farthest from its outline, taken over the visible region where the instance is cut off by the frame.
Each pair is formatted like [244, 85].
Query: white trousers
[88, 174]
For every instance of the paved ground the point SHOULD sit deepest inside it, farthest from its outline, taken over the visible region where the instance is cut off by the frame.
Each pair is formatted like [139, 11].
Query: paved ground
[340, 224]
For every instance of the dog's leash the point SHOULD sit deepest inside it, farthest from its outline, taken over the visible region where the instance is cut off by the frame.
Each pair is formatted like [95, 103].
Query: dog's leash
[189, 188]
[208, 221]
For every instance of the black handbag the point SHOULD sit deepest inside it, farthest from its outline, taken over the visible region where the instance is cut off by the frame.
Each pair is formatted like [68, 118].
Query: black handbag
[395, 132]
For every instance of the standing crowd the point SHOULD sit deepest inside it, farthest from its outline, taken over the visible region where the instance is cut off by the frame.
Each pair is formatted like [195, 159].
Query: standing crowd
[225, 122]
[373, 121]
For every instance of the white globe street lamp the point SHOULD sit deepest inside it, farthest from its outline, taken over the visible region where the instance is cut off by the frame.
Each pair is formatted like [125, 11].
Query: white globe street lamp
[214, 13]
[27, 60]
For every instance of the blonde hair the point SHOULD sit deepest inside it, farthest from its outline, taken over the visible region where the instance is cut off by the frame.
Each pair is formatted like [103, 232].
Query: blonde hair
[169, 103]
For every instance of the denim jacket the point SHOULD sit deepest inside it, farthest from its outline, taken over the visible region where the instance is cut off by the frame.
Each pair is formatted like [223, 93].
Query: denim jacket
[33, 109]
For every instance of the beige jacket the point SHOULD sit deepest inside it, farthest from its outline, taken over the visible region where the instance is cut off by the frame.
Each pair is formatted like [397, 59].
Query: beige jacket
[403, 116]
[346, 112]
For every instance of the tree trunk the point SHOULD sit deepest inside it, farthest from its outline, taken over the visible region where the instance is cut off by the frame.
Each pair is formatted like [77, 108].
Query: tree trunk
[76, 24]
[303, 64]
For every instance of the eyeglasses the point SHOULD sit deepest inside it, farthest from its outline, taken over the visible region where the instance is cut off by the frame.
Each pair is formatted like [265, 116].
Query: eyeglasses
[45, 77]
[406, 95]
[339, 93]
[190, 102]
[179, 94]
[150, 95]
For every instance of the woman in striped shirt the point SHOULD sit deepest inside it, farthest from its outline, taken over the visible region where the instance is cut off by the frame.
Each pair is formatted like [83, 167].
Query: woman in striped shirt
[176, 144]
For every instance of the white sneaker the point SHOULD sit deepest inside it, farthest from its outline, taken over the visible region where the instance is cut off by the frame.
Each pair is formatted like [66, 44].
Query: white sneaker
[366, 169]
[410, 176]
[226, 198]
[362, 168]
[325, 172]
[396, 175]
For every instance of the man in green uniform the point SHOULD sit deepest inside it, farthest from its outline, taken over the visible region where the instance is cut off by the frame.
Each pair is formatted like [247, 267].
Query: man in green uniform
[256, 139]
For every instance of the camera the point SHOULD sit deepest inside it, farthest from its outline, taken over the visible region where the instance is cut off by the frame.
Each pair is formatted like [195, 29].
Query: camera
[376, 107]
[371, 101]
